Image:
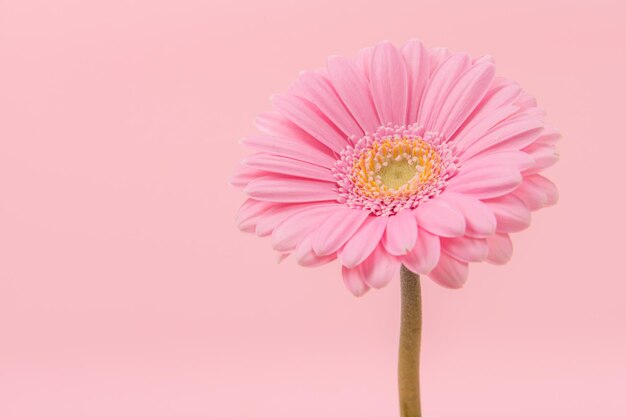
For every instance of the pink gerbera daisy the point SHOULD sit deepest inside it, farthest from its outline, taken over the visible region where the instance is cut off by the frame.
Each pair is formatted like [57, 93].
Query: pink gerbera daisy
[409, 156]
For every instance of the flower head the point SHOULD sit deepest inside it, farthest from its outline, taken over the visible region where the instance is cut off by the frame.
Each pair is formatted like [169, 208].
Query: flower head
[403, 156]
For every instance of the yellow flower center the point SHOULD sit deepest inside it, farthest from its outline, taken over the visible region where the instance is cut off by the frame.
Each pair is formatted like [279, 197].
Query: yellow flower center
[397, 173]
[395, 166]
[393, 169]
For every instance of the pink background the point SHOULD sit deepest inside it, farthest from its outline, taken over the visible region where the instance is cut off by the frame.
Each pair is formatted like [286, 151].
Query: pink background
[127, 290]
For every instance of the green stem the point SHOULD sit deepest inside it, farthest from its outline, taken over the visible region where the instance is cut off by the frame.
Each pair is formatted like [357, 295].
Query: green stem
[410, 338]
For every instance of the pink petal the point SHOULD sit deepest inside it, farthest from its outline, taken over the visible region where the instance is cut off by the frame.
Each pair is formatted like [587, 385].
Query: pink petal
[517, 160]
[508, 135]
[480, 123]
[531, 113]
[532, 195]
[438, 86]
[465, 248]
[401, 233]
[424, 255]
[500, 249]
[363, 61]
[450, 272]
[289, 148]
[502, 93]
[525, 101]
[483, 58]
[485, 182]
[436, 57]
[497, 105]
[307, 257]
[388, 82]
[552, 194]
[549, 137]
[354, 281]
[463, 97]
[318, 89]
[243, 175]
[290, 190]
[275, 124]
[353, 88]
[379, 268]
[511, 213]
[280, 212]
[288, 234]
[417, 61]
[335, 231]
[363, 242]
[287, 166]
[544, 156]
[304, 114]
[250, 212]
[440, 218]
[479, 219]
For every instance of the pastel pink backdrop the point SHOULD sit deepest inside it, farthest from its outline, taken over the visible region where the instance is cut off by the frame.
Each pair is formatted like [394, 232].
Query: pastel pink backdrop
[127, 290]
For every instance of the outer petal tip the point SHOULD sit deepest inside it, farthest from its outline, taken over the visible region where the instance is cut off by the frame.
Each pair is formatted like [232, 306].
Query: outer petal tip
[282, 256]
[450, 272]
[363, 243]
[379, 268]
[500, 249]
[401, 233]
[425, 254]
[354, 281]
[440, 218]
